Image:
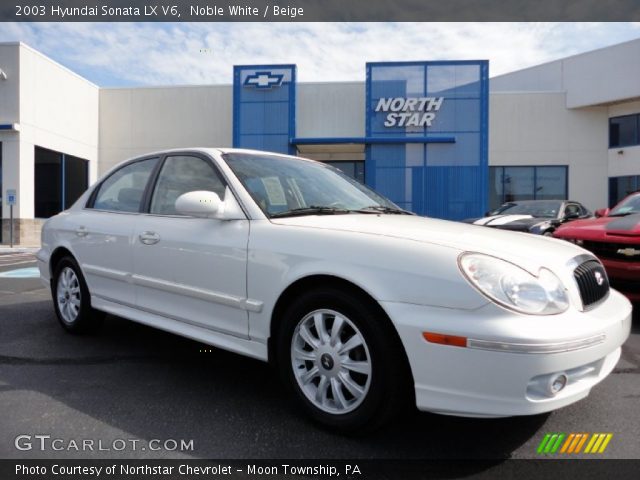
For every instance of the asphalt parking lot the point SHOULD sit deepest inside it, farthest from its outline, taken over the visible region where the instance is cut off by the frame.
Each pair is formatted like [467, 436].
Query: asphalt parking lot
[129, 381]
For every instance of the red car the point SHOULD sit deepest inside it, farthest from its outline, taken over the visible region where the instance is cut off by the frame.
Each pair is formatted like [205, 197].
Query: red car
[614, 237]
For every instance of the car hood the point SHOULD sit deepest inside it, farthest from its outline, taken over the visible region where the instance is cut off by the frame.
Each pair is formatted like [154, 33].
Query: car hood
[495, 220]
[521, 220]
[513, 246]
[601, 228]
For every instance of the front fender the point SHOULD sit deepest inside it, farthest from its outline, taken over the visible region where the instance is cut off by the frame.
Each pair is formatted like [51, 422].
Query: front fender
[388, 269]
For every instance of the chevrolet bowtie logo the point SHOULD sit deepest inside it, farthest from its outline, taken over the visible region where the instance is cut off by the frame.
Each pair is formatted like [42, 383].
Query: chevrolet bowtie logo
[629, 252]
[264, 80]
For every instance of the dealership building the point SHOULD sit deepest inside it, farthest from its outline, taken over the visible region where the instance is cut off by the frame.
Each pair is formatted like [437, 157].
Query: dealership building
[440, 138]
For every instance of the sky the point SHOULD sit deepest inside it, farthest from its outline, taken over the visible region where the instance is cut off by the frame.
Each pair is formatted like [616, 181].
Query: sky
[132, 54]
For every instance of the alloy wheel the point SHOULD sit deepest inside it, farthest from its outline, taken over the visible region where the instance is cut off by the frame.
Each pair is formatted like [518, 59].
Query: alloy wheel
[331, 361]
[68, 295]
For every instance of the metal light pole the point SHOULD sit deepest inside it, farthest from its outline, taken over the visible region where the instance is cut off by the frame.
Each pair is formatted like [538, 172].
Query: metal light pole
[11, 225]
[11, 200]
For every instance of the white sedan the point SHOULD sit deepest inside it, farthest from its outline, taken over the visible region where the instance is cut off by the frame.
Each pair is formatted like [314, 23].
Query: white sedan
[362, 306]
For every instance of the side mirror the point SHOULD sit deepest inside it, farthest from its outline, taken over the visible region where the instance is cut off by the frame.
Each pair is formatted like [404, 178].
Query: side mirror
[201, 204]
[602, 212]
[572, 216]
[205, 204]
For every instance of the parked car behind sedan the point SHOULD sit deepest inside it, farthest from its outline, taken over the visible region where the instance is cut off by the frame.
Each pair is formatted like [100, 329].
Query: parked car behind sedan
[614, 237]
[541, 217]
[362, 307]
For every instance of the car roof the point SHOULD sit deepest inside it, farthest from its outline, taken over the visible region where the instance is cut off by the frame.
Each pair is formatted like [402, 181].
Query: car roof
[206, 150]
[521, 202]
[222, 150]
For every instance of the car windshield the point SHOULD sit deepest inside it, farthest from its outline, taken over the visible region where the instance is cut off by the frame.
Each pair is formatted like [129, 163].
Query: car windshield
[541, 209]
[286, 186]
[628, 206]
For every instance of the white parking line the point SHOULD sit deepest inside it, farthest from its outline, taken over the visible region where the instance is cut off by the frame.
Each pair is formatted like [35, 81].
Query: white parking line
[16, 263]
[10, 259]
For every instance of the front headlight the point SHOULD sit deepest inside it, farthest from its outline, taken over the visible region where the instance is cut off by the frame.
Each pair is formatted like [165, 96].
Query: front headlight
[538, 227]
[513, 287]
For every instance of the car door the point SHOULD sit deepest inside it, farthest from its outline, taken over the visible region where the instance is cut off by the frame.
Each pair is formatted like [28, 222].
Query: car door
[186, 268]
[100, 235]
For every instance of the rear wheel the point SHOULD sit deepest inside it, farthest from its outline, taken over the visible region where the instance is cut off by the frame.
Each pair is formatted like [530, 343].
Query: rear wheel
[71, 298]
[340, 357]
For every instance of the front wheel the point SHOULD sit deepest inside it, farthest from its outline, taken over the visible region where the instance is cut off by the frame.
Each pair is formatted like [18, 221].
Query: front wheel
[340, 356]
[71, 298]
[331, 361]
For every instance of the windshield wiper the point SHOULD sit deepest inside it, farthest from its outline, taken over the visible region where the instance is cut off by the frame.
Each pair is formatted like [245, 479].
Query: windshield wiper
[310, 210]
[383, 209]
[622, 214]
[325, 210]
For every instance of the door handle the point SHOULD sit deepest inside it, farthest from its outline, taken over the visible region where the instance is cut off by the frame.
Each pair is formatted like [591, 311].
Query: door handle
[82, 231]
[149, 238]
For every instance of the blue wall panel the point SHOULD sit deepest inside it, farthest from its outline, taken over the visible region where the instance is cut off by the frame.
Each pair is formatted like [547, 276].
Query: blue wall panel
[264, 106]
[445, 180]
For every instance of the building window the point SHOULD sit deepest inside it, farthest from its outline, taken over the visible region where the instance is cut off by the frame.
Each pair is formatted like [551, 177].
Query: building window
[508, 184]
[59, 180]
[1, 189]
[1, 194]
[353, 169]
[624, 131]
[620, 187]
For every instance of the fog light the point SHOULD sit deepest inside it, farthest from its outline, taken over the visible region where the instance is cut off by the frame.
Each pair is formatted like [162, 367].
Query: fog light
[557, 383]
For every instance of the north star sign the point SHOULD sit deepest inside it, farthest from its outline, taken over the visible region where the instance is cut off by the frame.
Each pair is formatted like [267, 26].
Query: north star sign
[409, 112]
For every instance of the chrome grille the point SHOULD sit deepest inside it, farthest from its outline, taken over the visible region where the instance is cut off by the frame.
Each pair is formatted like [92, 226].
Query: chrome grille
[592, 281]
[616, 251]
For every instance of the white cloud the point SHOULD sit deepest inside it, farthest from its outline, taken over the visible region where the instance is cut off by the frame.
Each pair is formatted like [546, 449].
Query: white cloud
[151, 53]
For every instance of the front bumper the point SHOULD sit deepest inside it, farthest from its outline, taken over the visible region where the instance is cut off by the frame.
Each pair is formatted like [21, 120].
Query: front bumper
[42, 258]
[478, 382]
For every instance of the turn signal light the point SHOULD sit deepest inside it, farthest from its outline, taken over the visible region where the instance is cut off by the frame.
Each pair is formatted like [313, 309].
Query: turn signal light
[450, 340]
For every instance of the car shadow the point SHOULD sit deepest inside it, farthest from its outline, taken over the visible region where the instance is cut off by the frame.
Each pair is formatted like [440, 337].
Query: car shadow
[151, 384]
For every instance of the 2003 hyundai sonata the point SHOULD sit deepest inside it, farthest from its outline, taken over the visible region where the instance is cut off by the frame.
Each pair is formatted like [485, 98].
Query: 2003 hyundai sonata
[362, 306]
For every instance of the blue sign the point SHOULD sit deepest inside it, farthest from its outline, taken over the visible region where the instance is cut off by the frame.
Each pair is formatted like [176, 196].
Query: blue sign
[264, 116]
[427, 103]
[263, 80]
[11, 197]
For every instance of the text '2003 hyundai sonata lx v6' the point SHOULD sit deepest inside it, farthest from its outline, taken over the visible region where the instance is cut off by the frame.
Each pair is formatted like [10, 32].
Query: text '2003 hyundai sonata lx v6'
[361, 305]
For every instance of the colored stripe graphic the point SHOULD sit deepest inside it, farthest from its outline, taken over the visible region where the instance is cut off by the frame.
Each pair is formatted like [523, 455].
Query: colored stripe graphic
[604, 445]
[551, 442]
[573, 443]
[582, 440]
[598, 443]
[567, 442]
[543, 443]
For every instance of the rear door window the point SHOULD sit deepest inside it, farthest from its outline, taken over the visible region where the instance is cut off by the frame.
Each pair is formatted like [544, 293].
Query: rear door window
[122, 191]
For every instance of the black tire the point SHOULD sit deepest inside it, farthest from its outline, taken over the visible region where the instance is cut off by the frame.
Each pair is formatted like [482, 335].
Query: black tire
[390, 389]
[87, 319]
